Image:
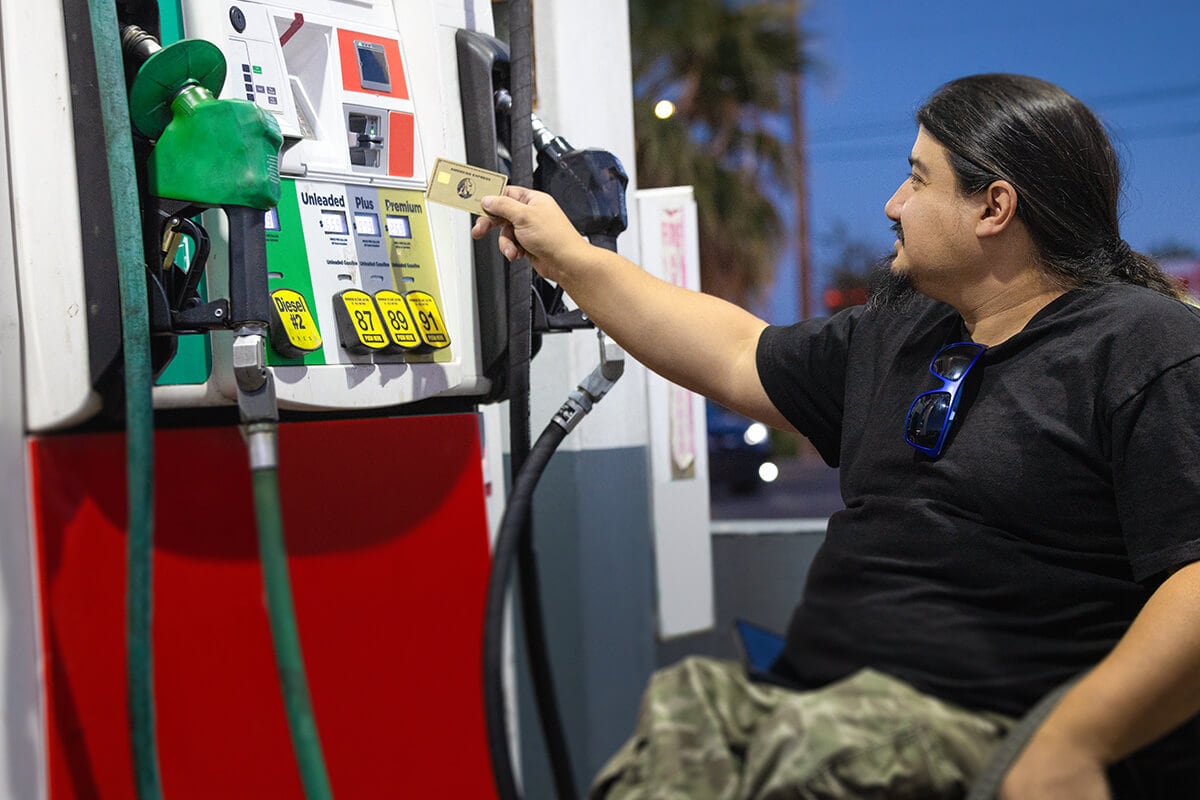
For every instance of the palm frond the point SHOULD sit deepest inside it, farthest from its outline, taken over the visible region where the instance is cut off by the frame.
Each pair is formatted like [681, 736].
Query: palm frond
[727, 65]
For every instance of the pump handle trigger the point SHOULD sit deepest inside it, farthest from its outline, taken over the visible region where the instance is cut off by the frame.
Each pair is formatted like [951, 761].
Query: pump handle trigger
[186, 291]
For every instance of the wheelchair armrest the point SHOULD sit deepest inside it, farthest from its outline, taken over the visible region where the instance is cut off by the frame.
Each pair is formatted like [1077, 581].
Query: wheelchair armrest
[987, 784]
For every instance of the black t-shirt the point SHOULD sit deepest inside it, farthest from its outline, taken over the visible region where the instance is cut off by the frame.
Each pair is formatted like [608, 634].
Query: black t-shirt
[1069, 485]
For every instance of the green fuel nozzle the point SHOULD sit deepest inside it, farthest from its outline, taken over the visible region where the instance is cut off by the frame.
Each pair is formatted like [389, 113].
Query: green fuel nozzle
[211, 153]
[207, 151]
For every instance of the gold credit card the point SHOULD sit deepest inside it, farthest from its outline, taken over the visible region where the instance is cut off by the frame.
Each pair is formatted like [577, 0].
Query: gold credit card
[462, 185]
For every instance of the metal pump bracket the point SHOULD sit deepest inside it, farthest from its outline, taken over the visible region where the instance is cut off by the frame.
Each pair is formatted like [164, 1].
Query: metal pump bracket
[594, 387]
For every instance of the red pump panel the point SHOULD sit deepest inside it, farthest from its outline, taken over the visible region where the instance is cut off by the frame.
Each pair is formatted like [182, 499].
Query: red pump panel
[388, 550]
[401, 138]
[348, 56]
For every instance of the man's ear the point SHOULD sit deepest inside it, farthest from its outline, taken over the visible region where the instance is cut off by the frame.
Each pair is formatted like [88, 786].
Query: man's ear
[997, 209]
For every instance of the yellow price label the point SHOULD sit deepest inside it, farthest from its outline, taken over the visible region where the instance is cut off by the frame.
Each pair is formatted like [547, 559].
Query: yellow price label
[293, 330]
[397, 319]
[359, 326]
[430, 326]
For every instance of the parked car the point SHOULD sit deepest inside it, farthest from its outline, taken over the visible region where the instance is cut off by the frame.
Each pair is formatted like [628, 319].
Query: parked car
[739, 451]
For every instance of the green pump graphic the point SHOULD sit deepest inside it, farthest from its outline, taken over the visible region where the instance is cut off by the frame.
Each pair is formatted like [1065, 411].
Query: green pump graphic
[211, 153]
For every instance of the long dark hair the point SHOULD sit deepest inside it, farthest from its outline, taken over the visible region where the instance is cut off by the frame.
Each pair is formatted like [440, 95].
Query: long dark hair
[1056, 154]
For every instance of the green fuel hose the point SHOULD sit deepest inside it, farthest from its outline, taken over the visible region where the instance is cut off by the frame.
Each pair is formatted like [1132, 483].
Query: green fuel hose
[139, 413]
[288, 658]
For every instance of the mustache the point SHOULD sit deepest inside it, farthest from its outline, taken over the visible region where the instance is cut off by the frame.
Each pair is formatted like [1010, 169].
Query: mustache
[899, 231]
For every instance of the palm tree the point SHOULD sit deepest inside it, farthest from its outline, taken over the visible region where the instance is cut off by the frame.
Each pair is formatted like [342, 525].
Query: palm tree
[727, 66]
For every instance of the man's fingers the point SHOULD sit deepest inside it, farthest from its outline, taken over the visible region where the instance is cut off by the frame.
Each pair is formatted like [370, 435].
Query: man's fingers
[509, 245]
[512, 203]
[519, 193]
[482, 226]
[506, 208]
[509, 210]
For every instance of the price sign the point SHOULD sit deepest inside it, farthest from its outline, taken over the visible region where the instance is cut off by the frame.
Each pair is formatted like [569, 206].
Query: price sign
[397, 320]
[430, 327]
[293, 329]
[359, 326]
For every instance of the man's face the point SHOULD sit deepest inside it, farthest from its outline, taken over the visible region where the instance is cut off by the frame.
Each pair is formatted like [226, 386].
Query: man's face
[934, 222]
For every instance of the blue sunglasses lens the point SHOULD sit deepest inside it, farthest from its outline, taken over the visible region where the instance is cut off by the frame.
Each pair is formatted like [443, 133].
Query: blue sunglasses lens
[927, 417]
[953, 361]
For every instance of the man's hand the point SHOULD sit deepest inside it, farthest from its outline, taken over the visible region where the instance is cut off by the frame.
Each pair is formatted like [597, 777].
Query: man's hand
[1053, 767]
[532, 225]
[1146, 687]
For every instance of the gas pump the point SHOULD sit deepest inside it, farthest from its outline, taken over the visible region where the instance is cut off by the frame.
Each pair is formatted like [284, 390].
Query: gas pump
[358, 301]
[295, 273]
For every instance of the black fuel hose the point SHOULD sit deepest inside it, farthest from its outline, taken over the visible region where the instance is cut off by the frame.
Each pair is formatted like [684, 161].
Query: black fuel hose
[513, 538]
[510, 542]
[520, 344]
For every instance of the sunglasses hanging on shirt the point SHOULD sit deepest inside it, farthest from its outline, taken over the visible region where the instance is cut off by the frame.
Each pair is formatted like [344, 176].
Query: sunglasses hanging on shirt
[932, 412]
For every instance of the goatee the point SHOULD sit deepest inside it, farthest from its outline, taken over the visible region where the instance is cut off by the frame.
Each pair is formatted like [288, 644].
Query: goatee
[889, 290]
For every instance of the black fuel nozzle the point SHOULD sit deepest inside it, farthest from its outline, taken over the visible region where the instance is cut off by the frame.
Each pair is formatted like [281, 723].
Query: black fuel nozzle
[550, 148]
[589, 185]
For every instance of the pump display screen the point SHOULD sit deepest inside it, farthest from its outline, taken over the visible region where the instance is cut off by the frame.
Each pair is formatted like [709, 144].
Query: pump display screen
[334, 222]
[373, 66]
[366, 224]
[398, 227]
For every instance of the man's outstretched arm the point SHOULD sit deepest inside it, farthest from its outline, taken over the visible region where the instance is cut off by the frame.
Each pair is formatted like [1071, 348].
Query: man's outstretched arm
[695, 340]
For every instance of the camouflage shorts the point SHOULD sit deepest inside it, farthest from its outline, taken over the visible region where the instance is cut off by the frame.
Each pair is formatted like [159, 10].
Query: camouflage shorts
[706, 732]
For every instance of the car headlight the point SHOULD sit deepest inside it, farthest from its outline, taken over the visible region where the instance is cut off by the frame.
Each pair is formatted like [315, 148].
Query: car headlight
[755, 434]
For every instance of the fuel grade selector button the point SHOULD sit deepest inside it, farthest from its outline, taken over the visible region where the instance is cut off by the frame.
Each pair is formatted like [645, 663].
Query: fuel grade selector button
[398, 321]
[430, 326]
[293, 329]
[359, 325]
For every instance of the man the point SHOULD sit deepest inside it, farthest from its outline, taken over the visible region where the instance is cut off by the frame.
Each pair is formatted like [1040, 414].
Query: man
[1016, 420]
